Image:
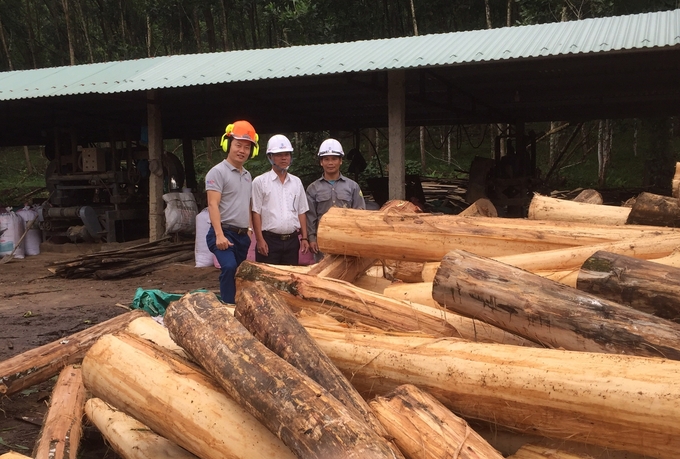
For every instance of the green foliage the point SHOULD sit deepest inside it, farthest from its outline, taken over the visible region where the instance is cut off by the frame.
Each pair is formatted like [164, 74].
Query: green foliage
[15, 179]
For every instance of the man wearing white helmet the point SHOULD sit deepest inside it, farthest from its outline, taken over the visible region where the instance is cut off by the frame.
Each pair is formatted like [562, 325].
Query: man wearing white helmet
[331, 190]
[279, 207]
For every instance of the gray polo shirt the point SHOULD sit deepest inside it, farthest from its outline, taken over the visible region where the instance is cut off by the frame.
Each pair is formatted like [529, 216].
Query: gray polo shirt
[322, 195]
[235, 188]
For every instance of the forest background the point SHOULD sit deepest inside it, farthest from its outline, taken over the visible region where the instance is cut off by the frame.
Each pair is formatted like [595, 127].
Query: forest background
[612, 153]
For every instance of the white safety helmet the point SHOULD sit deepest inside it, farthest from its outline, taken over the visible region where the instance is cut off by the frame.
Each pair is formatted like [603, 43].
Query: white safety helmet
[330, 147]
[279, 143]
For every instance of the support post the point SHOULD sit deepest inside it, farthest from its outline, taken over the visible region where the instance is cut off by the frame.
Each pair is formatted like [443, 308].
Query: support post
[155, 129]
[396, 107]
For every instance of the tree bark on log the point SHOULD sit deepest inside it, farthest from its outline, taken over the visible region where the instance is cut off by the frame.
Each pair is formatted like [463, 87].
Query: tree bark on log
[544, 452]
[428, 237]
[480, 208]
[547, 312]
[589, 196]
[572, 258]
[176, 400]
[338, 298]
[310, 421]
[40, 364]
[547, 208]
[579, 396]
[654, 209]
[274, 325]
[130, 438]
[423, 428]
[643, 285]
[63, 426]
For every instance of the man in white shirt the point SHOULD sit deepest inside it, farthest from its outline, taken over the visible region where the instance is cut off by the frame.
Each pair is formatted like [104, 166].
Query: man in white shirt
[279, 206]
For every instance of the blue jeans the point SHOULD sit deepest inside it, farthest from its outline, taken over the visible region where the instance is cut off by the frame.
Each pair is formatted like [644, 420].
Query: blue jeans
[229, 260]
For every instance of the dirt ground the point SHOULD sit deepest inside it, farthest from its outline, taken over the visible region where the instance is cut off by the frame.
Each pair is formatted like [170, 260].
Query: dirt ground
[37, 308]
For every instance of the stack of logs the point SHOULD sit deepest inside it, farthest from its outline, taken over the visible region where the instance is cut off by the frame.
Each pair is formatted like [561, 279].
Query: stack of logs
[563, 330]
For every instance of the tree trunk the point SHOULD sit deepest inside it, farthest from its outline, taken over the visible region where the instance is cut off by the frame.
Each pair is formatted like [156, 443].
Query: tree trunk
[69, 33]
[5, 48]
[128, 437]
[589, 196]
[31, 35]
[644, 285]
[29, 165]
[86, 31]
[176, 400]
[547, 312]
[546, 208]
[654, 209]
[40, 364]
[310, 421]
[583, 397]
[340, 299]
[428, 237]
[572, 258]
[675, 184]
[274, 325]
[63, 427]
[423, 428]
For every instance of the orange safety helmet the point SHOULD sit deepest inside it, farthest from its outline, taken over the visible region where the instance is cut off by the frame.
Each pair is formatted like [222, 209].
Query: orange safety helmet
[241, 130]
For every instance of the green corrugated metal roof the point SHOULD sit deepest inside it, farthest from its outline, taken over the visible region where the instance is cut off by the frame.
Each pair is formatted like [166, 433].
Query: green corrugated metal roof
[622, 33]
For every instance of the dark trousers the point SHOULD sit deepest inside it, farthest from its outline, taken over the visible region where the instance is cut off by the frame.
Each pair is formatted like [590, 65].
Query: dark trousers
[229, 260]
[281, 252]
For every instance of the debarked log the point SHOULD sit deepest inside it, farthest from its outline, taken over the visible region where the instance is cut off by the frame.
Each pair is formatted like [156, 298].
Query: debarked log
[423, 428]
[328, 296]
[40, 364]
[654, 245]
[428, 237]
[175, 399]
[547, 208]
[63, 426]
[269, 319]
[644, 285]
[130, 438]
[548, 312]
[543, 452]
[622, 402]
[310, 421]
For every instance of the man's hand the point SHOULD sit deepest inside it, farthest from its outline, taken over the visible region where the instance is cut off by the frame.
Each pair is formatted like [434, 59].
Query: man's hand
[262, 247]
[222, 242]
[314, 247]
[304, 246]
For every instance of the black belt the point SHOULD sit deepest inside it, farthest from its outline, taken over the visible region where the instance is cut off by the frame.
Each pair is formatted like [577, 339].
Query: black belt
[235, 229]
[283, 237]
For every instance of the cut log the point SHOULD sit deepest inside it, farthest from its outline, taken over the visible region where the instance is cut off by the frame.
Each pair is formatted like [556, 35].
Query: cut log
[547, 312]
[428, 237]
[675, 183]
[310, 421]
[63, 426]
[341, 267]
[130, 438]
[340, 299]
[176, 400]
[547, 208]
[40, 364]
[580, 396]
[654, 209]
[145, 327]
[372, 283]
[423, 428]
[406, 271]
[480, 208]
[644, 285]
[589, 196]
[572, 258]
[13, 455]
[416, 292]
[544, 452]
[269, 319]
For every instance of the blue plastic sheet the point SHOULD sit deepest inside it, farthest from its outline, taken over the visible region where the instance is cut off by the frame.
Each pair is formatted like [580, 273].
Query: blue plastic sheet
[154, 301]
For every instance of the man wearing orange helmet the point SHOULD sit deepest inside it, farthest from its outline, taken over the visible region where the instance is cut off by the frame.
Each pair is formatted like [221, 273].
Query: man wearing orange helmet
[228, 188]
